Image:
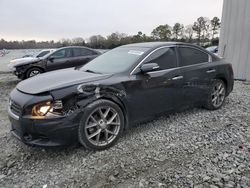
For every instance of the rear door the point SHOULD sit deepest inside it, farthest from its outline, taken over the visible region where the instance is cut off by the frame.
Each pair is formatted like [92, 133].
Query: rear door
[198, 71]
[60, 59]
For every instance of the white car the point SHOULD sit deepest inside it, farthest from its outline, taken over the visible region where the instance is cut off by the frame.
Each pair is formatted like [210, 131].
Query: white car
[26, 60]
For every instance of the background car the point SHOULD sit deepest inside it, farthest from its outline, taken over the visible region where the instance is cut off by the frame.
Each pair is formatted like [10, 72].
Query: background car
[61, 58]
[40, 53]
[3, 52]
[27, 59]
[213, 49]
[124, 86]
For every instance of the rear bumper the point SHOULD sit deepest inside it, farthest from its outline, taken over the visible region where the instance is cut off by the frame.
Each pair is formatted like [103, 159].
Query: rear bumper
[44, 132]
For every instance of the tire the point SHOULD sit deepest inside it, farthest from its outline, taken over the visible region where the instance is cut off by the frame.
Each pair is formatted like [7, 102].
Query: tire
[33, 72]
[101, 125]
[217, 95]
[21, 76]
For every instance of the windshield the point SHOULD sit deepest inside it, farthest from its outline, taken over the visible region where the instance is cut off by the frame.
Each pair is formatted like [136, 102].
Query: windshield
[48, 54]
[115, 61]
[43, 53]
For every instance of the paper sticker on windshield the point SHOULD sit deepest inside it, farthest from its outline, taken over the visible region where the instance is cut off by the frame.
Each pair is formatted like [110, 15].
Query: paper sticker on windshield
[135, 52]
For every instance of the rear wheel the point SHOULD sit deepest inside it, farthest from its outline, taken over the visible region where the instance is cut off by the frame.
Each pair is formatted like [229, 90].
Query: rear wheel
[33, 72]
[217, 95]
[101, 125]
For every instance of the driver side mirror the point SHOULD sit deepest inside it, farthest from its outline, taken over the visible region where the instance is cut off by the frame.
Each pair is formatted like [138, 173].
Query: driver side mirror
[149, 67]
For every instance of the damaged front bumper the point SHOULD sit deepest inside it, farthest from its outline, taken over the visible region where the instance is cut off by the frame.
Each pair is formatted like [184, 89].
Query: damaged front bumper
[51, 131]
[45, 132]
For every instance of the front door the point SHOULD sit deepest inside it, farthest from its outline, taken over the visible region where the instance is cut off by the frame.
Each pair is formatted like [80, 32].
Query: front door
[157, 91]
[60, 60]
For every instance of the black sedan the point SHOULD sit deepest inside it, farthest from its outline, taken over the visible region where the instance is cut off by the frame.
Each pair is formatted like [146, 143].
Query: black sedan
[58, 59]
[93, 105]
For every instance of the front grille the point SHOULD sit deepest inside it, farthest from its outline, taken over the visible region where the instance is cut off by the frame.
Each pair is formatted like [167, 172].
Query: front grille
[15, 108]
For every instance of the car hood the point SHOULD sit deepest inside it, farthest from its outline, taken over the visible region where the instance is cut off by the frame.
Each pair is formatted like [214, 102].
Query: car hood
[23, 61]
[58, 79]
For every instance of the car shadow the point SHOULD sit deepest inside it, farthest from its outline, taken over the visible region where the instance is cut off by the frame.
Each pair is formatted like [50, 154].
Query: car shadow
[138, 128]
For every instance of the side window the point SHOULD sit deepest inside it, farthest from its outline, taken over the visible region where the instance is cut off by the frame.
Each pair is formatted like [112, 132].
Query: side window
[65, 53]
[77, 52]
[90, 52]
[68, 53]
[165, 58]
[191, 56]
[59, 54]
[82, 52]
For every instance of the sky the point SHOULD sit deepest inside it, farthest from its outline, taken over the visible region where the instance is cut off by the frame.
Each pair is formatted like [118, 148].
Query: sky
[57, 19]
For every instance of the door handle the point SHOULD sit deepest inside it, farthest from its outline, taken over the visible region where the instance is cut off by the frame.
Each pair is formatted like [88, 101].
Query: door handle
[211, 71]
[177, 78]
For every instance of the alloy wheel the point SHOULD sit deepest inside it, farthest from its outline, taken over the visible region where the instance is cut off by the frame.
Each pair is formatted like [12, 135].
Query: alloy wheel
[218, 94]
[34, 73]
[102, 126]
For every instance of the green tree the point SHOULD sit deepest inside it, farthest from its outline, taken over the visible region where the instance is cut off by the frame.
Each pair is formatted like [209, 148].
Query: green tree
[140, 37]
[178, 30]
[97, 41]
[115, 39]
[215, 26]
[206, 30]
[78, 41]
[189, 32]
[199, 27]
[162, 32]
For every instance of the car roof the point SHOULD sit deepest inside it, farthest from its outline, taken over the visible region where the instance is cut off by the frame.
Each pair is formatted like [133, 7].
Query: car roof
[157, 44]
[48, 50]
[75, 47]
[69, 47]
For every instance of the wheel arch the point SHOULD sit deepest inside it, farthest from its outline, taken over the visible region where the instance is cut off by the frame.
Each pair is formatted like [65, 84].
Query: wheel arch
[96, 92]
[121, 105]
[32, 67]
[36, 66]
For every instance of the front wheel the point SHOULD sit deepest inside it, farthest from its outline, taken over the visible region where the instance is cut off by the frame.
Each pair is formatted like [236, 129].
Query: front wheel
[33, 72]
[217, 95]
[101, 125]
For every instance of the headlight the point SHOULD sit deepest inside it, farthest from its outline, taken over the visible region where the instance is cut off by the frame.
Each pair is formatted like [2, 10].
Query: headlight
[48, 109]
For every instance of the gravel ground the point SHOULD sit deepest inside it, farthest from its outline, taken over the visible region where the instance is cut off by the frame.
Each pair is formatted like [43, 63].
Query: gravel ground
[196, 148]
